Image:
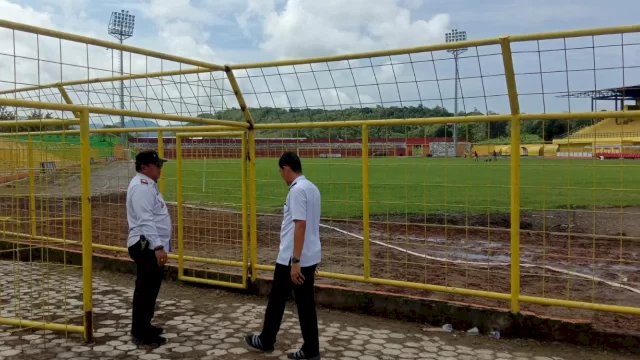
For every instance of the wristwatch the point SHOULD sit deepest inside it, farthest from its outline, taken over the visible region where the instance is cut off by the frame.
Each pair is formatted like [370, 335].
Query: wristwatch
[295, 260]
[159, 247]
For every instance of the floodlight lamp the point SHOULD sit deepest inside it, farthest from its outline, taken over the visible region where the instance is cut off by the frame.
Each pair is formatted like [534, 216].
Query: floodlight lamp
[455, 35]
[121, 24]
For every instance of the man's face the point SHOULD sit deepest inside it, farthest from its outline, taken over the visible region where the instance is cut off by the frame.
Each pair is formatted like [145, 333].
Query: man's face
[152, 170]
[284, 174]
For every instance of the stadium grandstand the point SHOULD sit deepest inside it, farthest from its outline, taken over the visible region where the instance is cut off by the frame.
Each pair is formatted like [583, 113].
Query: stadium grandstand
[606, 138]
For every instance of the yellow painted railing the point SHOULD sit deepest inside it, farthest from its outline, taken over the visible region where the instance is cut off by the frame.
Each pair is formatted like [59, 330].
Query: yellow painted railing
[248, 131]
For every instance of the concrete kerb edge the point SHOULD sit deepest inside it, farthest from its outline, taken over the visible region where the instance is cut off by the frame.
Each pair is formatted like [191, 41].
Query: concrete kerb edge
[400, 307]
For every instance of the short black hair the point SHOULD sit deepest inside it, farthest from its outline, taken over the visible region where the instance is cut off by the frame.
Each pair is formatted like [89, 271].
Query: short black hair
[291, 160]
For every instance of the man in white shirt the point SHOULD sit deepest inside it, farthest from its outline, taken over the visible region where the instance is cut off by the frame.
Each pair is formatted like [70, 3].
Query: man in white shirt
[149, 241]
[300, 254]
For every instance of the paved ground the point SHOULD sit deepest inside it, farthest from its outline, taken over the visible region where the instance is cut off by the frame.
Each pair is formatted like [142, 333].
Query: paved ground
[204, 323]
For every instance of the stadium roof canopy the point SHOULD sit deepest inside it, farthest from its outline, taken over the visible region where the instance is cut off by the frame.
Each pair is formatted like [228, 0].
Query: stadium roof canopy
[620, 93]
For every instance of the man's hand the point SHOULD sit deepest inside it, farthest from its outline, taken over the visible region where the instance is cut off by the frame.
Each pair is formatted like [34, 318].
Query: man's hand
[161, 255]
[296, 274]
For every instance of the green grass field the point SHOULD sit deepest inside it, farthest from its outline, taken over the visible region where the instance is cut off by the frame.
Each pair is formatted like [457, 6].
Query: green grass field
[419, 185]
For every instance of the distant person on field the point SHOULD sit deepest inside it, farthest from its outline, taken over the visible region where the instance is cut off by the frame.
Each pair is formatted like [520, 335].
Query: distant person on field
[495, 155]
[475, 156]
[299, 256]
[148, 243]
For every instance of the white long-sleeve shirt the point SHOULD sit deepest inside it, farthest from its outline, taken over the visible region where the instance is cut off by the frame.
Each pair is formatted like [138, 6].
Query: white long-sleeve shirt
[147, 213]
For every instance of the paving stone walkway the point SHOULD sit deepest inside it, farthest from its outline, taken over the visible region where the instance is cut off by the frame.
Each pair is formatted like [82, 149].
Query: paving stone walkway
[193, 333]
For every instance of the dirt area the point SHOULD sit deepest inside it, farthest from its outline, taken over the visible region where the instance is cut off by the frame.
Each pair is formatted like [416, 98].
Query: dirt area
[575, 254]
[106, 178]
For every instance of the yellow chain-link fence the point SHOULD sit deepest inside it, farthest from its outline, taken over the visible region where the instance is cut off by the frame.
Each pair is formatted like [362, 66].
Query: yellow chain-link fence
[406, 207]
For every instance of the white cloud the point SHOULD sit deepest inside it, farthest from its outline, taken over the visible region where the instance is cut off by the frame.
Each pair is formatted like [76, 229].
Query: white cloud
[187, 40]
[304, 28]
[24, 14]
[254, 11]
[168, 10]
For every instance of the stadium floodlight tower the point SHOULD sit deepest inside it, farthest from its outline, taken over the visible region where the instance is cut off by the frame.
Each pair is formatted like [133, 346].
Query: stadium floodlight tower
[454, 36]
[121, 27]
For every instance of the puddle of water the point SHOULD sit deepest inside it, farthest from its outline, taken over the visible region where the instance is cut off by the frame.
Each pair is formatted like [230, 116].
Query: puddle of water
[618, 267]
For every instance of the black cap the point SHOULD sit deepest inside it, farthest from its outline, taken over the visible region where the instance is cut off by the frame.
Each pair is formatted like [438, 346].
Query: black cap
[147, 157]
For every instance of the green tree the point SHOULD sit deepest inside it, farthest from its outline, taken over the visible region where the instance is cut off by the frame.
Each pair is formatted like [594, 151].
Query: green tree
[475, 132]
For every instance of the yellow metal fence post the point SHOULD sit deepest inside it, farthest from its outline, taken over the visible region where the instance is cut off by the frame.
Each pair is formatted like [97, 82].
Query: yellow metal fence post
[238, 93]
[31, 163]
[515, 172]
[365, 202]
[253, 222]
[245, 229]
[179, 206]
[161, 155]
[67, 98]
[87, 276]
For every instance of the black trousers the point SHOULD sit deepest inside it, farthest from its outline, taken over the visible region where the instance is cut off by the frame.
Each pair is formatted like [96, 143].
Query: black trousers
[305, 302]
[148, 280]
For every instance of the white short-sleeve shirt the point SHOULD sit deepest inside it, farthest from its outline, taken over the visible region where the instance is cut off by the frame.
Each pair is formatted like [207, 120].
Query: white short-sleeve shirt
[303, 203]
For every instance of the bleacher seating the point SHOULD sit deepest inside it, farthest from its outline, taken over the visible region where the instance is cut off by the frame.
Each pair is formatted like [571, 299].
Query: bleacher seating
[604, 155]
[609, 129]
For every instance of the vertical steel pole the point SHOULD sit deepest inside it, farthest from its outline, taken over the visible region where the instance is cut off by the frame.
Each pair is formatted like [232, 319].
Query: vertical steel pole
[253, 221]
[455, 106]
[179, 201]
[87, 250]
[161, 181]
[245, 212]
[123, 136]
[32, 186]
[515, 172]
[365, 202]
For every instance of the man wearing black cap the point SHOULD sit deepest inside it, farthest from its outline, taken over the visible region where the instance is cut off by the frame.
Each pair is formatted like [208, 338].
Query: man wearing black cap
[149, 241]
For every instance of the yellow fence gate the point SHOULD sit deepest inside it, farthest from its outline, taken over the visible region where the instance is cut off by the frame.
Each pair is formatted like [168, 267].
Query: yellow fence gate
[37, 292]
[215, 230]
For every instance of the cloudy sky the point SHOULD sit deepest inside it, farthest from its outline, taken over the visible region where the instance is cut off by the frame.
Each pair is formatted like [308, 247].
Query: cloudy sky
[236, 31]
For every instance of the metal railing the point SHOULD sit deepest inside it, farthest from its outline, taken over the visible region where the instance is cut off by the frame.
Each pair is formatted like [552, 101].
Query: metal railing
[248, 130]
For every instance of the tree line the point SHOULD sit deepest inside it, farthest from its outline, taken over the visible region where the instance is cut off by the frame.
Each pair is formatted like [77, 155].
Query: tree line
[495, 132]
[8, 115]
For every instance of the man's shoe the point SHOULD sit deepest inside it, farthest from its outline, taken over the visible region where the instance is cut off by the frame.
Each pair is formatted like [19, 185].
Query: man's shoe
[156, 330]
[153, 341]
[300, 355]
[152, 331]
[255, 343]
